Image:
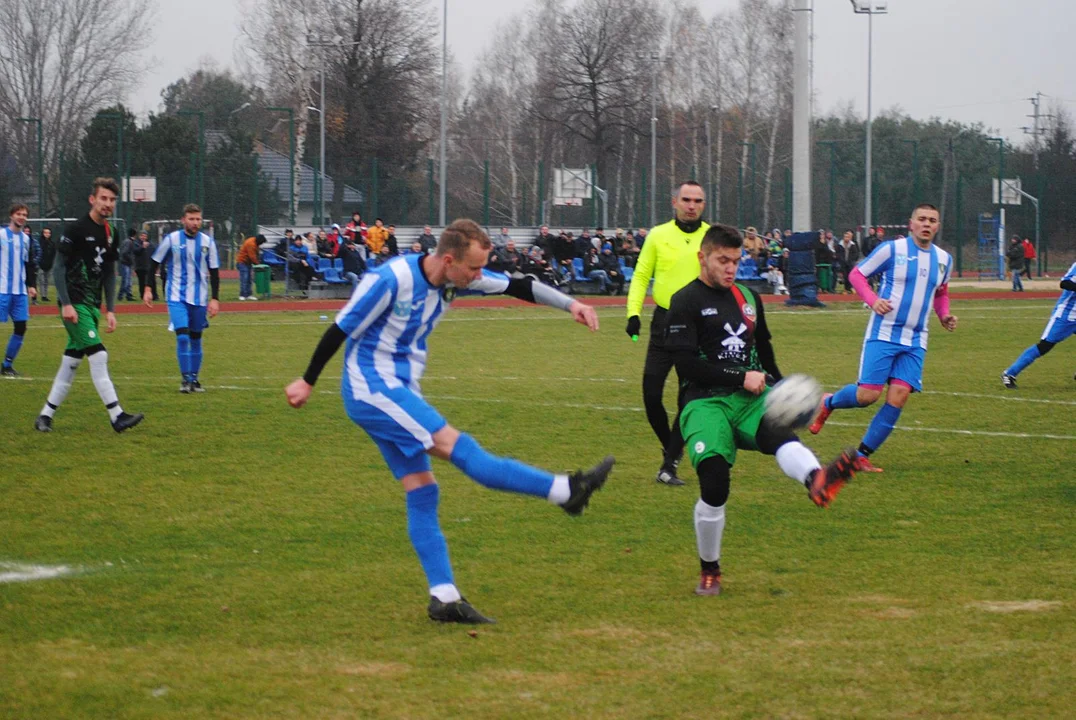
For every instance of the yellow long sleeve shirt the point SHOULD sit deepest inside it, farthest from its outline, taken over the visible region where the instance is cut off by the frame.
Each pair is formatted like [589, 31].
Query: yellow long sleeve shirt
[671, 257]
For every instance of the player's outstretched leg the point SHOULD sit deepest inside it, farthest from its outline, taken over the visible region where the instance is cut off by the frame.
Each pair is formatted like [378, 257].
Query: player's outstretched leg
[1033, 353]
[570, 492]
[446, 603]
[121, 421]
[798, 462]
[60, 387]
[183, 357]
[842, 399]
[14, 344]
[825, 483]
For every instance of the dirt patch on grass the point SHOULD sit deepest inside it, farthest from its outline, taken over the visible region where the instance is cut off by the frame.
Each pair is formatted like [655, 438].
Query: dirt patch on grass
[1012, 606]
[374, 669]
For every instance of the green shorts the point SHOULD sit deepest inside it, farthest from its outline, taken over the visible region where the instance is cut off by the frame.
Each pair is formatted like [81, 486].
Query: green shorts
[83, 334]
[720, 425]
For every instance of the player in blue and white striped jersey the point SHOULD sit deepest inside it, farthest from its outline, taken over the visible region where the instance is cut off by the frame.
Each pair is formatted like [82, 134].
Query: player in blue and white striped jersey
[192, 266]
[17, 283]
[1061, 326]
[386, 324]
[914, 278]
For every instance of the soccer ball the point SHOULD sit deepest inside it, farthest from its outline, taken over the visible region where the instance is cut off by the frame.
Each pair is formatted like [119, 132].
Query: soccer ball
[793, 401]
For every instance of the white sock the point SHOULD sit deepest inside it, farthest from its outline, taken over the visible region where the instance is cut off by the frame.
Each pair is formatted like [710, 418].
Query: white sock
[103, 383]
[709, 527]
[561, 491]
[61, 385]
[446, 593]
[797, 461]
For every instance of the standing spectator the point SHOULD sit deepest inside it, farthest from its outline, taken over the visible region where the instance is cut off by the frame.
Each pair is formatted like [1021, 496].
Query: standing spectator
[354, 264]
[546, 241]
[1029, 255]
[609, 263]
[48, 256]
[143, 254]
[249, 256]
[126, 252]
[1015, 254]
[376, 237]
[427, 239]
[356, 229]
[847, 258]
[391, 242]
[503, 238]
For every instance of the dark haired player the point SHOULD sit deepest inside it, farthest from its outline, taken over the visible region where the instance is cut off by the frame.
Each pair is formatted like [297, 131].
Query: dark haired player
[17, 276]
[85, 265]
[670, 257]
[915, 277]
[716, 332]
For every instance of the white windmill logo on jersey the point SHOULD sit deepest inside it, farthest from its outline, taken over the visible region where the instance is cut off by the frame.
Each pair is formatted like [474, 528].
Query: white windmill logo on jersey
[734, 343]
[100, 259]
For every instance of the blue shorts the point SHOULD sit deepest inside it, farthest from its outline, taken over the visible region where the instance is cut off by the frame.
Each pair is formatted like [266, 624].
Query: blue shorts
[15, 306]
[883, 361]
[401, 424]
[187, 316]
[1058, 329]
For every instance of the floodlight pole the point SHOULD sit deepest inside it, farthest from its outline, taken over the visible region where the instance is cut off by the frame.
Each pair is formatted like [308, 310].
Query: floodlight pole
[291, 159]
[119, 118]
[1001, 205]
[444, 112]
[201, 153]
[870, 10]
[40, 166]
[653, 138]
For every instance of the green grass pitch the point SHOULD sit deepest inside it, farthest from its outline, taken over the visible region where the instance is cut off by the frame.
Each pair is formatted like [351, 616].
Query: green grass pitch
[233, 557]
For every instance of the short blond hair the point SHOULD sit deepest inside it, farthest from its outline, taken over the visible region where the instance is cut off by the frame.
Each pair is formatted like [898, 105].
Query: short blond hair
[458, 236]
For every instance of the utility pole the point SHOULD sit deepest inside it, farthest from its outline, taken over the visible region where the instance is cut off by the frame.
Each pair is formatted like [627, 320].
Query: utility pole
[1037, 130]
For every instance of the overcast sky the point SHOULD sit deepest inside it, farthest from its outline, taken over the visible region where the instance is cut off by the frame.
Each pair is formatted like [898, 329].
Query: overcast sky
[969, 60]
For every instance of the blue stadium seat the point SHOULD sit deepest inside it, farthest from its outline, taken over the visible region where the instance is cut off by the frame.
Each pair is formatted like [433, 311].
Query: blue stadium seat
[748, 269]
[269, 257]
[332, 276]
[626, 271]
[338, 264]
[577, 269]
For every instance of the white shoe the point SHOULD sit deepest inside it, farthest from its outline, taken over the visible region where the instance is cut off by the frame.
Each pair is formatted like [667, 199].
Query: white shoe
[252, 297]
[242, 298]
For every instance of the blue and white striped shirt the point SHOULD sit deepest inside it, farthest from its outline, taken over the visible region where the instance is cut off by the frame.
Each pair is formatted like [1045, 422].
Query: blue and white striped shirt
[188, 265]
[910, 277]
[1066, 304]
[388, 318]
[14, 254]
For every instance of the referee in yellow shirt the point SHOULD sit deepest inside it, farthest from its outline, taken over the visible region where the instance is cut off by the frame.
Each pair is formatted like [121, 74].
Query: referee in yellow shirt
[669, 256]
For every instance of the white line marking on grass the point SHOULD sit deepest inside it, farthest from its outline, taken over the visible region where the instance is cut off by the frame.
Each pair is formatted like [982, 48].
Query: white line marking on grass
[958, 431]
[15, 572]
[1006, 398]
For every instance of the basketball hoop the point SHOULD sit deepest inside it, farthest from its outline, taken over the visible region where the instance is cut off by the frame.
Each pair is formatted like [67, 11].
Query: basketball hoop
[568, 201]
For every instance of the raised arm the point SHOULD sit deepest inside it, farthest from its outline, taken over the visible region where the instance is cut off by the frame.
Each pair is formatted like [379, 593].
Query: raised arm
[526, 289]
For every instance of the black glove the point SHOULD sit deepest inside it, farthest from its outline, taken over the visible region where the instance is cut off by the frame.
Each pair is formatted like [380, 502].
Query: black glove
[634, 326]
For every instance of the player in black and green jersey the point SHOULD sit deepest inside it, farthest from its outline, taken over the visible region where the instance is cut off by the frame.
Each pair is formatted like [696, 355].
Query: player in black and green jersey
[716, 331]
[85, 268]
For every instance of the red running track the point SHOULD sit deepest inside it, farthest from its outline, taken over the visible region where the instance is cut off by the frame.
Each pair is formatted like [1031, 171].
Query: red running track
[135, 308]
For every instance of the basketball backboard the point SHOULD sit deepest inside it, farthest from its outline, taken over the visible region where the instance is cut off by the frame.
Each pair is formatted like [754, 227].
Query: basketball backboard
[142, 189]
[571, 186]
[1011, 194]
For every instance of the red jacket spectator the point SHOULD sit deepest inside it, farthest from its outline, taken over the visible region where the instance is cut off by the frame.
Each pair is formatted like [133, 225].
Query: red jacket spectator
[1029, 250]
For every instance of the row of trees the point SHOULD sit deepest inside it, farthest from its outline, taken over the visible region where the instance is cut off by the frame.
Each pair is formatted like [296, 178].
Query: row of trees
[561, 84]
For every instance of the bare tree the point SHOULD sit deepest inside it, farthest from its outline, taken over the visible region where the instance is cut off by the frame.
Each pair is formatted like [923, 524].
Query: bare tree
[780, 71]
[63, 60]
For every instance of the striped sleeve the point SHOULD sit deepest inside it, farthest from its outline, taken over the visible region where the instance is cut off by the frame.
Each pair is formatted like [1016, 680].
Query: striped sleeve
[878, 260]
[214, 256]
[163, 249]
[372, 298]
[490, 283]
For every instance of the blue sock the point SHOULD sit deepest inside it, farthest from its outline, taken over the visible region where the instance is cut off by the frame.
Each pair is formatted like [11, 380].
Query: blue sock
[1026, 358]
[183, 354]
[426, 536]
[196, 357]
[843, 399]
[499, 473]
[883, 423]
[13, 347]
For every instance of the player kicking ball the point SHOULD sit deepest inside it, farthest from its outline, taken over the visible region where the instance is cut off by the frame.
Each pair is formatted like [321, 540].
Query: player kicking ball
[915, 277]
[386, 324]
[717, 333]
[1062, 326]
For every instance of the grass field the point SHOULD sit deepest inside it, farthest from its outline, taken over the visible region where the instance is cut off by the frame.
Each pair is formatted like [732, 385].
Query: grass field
[232, 557]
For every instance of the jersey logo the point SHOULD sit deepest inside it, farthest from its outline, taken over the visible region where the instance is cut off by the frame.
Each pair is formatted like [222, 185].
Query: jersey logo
[734, 343]
[448, 294]
[100, 259]
[709, 311]
[901, 260]
[402, 308]
[748, 311]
